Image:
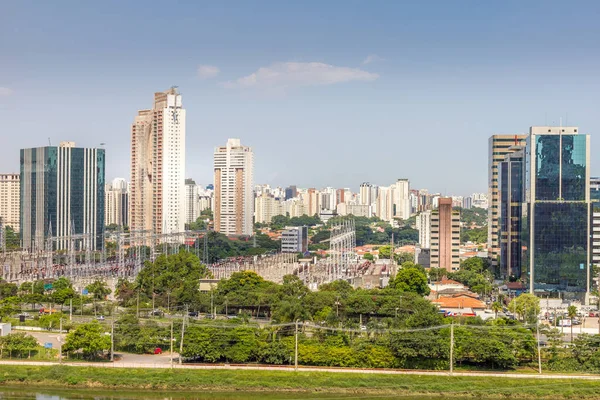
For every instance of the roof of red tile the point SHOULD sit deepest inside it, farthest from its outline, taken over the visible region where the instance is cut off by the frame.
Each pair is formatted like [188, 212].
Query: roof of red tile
[459, 302]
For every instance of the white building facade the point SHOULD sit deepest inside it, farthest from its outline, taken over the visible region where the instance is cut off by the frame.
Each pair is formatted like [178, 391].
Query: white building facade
[234, 188]
[116, 203]
[9, 200]
[424, 227]
[157, 199]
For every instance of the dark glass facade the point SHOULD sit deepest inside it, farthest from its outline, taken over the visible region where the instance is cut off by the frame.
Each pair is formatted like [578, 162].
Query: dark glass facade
[40, 192]
[511, 200]
[558, 217]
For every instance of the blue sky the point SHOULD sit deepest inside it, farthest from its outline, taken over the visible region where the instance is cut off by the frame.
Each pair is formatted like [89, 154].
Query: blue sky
[327, 93]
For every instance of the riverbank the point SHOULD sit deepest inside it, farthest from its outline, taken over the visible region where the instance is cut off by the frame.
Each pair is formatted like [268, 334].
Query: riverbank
[288, 381]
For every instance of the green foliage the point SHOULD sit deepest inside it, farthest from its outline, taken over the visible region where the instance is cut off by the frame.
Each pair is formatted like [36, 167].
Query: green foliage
[411, 278]
[368, 256]
[473, 216]
[89, 338]
[527, 305]
[199, 225]
[474, 235]
[172, 279]
[98, 289]
[13, 242]
[436, 274]
[19, 343]
[474, 273]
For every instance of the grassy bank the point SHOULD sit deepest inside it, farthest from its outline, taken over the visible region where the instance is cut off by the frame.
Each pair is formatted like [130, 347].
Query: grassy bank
[288, 381]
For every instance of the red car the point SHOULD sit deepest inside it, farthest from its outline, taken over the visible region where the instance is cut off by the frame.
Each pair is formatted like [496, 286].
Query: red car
[158, 350]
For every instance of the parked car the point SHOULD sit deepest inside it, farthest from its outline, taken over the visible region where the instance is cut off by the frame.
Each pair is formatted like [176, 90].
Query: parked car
[100, 317]
[193, 314]
[209, 316]
[576, 322]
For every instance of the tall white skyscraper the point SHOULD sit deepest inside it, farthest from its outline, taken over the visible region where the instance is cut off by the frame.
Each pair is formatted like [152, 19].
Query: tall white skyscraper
[158, 166]
[424, 227]
[116, 203]
[401, 198]
[234, 188]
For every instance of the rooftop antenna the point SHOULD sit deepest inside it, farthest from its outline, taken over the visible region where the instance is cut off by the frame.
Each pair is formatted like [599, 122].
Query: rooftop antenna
[49, 143]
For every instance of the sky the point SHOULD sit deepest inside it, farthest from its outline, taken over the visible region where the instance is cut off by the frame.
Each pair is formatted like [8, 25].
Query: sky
[327, 93]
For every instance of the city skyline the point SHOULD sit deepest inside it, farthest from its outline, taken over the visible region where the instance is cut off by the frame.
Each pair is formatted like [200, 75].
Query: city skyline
[385, 88]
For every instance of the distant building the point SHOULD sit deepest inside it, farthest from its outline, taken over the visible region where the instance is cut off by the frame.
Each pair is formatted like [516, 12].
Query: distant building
[467, 203]
[294, 240]
[234, 188]
[266, 207]
[423, 256]
[401, 199]
[499, 146]
[192, 194]
[445, 236]
[424, 227]
[116, 203]
[291, 192]
[62, 194]
[10, 194]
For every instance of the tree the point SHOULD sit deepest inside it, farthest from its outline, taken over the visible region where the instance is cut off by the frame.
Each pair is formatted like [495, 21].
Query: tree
[385, 251]
[527, 306]
[572, 313]
[88, 338]
[436, 274]
[18, 342]
[496, 308]
[411, 279]
[368, 256]
[99, 291]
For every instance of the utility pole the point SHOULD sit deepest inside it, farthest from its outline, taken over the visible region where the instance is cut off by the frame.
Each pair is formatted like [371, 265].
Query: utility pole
[182, 333]
[60, 343]
[537, 328]
[171, 344]
[452, 348]
[137, 307]
[296, 349]
[71, 309]
[212, 302]
[112, 340]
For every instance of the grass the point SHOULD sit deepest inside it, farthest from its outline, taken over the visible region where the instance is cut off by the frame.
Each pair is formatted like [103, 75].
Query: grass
[289, 381]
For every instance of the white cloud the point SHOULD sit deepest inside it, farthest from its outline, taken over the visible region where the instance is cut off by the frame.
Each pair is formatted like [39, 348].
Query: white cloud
[4, 91]
[372, 58]
[208, 71]
[295, 74]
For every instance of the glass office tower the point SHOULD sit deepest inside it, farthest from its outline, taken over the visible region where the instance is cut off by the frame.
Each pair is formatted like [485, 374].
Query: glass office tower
[511, 202]
[558, 211]
[62, 194]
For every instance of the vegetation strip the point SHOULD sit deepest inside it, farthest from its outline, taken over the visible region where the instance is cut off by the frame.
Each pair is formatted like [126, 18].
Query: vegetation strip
[287, 381]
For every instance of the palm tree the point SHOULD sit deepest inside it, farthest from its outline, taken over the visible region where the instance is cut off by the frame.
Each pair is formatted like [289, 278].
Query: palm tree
[571, 312]
[496, 307]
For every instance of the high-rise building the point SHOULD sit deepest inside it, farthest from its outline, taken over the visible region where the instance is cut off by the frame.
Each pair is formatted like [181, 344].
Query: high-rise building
[157, 198]
[384, 206]
[558, 213]
[234, 183]
[62, 194]
[499, 146]
[116, 203]
[291, 192]
[401, 199]
[294, 239]
[511, 184]
[445, 236]
[365, 193]
[192, 204]
[595, 199]
[467, 203]
[480, 200]
[424, 227]
[10, 194]
[266, 207]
